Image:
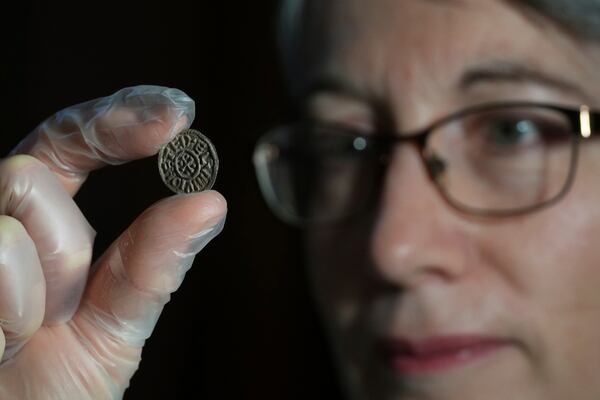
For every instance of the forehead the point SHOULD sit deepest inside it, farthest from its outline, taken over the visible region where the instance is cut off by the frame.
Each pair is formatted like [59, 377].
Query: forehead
[426, 33]
[423, 47]
[418, 22]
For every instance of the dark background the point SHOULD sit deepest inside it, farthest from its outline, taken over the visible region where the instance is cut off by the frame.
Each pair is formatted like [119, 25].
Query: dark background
[242, 325]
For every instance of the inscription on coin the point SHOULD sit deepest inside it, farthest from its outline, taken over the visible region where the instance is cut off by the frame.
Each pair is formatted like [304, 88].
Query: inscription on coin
[188, 163]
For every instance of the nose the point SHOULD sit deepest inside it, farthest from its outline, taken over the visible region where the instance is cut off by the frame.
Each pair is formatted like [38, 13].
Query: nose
[417, 238]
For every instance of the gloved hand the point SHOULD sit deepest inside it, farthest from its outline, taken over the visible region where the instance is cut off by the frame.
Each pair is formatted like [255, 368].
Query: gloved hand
[66, 334]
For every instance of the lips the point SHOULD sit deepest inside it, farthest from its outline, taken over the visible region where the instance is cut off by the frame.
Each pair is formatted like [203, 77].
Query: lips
[437, 354]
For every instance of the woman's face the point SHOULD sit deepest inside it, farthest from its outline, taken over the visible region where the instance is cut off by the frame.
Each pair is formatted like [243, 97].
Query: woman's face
[422, 301]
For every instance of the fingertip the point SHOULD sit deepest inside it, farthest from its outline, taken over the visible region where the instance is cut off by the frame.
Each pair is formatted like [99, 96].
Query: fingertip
[181, 124]
[181, 105]
[214, 202]
[175, 113]
[192, 212]
[209, 207]
[180, 99]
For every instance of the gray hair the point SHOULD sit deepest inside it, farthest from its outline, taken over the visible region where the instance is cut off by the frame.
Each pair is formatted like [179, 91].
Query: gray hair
[580, 18]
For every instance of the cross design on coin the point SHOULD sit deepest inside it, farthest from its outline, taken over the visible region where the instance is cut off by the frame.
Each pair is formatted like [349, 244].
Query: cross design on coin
[188, 163]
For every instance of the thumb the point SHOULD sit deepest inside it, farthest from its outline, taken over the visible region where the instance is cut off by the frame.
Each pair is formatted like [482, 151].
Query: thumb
[135, 277]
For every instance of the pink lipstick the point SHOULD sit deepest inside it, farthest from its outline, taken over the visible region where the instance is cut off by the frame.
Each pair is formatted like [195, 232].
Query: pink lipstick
[437, 354]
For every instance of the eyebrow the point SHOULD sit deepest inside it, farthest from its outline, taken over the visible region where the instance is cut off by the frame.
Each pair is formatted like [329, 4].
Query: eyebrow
[513, 72]
[491, 72]
[333, 84]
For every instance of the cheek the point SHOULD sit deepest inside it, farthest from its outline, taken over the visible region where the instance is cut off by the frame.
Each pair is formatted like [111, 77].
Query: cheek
[560, 246]
[547, 266]
[563, 297]
[549, 262]
[551, 258]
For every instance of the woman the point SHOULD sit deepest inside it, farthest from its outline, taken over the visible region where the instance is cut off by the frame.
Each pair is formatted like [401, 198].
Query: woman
[450, 192]
[458, 263]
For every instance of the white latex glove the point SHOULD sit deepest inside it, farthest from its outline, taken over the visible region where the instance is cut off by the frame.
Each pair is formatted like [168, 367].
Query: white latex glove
[65, 335]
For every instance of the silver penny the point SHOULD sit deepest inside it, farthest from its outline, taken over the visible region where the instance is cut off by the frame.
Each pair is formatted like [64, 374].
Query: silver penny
[188, 163]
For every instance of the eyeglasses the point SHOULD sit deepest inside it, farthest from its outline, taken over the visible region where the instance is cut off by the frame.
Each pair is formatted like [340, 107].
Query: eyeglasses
[496, 159]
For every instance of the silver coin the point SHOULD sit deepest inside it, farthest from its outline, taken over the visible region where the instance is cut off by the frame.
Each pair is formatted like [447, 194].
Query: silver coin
[188, 163]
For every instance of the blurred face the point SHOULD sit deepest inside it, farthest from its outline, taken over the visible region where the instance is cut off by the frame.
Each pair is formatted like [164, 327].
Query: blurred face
[423, 301]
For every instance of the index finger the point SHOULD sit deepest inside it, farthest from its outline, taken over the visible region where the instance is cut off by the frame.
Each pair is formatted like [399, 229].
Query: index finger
[130, 124]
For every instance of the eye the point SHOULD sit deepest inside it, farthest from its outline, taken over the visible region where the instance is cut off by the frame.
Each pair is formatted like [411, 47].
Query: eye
[510, 132]
[338, 141]
[516, 130]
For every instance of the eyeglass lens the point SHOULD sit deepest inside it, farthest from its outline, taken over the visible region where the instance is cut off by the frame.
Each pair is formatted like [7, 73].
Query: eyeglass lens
[497, 159]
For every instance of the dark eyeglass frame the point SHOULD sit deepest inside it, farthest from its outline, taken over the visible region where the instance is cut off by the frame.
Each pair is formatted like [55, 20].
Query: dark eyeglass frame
[582, 119]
